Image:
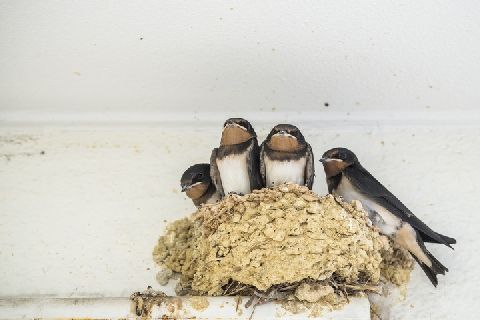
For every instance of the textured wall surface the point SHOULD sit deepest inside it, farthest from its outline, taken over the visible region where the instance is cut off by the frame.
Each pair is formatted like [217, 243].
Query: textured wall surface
[158, 56]
[81, 219]
[104, 104]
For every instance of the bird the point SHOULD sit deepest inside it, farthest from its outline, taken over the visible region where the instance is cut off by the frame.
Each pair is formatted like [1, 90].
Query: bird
[347, 178]
[198, 185]
[235, 164]
[285, 156]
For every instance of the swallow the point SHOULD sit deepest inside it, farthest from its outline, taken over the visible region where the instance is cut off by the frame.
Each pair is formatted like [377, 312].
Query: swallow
[347, 178]
[235, 164]
[285, 156]
[198, 185]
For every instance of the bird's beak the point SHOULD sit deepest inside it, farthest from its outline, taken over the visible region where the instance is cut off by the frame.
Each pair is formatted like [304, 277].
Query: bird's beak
[185, 187]
[233, 124]
[325, 160]
[284, 133]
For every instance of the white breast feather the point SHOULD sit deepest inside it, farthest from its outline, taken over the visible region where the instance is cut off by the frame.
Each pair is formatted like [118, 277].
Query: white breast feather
[278, 172]
[390, 222]
[234, 173]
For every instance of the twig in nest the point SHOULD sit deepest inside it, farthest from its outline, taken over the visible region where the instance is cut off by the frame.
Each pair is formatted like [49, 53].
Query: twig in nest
[362, 287]
[250, 301]
[346, 294]
[375, 313]
[251, 314]
[259, 302]
[238, 290]
[239, 300]
[230, 284]
[289, 287]
[235, 287]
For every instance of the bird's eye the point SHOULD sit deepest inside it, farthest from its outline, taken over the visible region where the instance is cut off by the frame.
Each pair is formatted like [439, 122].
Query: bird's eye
[200, 175]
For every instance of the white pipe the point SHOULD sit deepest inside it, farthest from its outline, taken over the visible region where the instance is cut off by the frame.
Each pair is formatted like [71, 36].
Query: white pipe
[173, 307]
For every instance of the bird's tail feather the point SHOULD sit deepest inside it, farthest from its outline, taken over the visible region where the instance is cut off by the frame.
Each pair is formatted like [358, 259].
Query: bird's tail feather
[431, 271]
[444, 239]
[447, 239]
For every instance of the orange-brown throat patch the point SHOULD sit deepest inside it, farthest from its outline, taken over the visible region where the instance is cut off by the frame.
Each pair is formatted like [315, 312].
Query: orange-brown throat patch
[283, 143]
[197, 191]
[333, 167]
[234, 135]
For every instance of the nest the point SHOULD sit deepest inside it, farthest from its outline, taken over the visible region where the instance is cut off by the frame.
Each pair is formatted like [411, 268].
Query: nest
[285, 244]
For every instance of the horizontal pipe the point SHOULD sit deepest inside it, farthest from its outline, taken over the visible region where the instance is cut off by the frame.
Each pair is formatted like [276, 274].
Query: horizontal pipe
[170, 308]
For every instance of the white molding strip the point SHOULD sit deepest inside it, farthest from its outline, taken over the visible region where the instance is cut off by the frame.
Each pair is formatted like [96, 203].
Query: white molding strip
[467, 118]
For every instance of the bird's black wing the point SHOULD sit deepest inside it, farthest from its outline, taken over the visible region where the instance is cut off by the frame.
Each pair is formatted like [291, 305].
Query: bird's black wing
[364, 182]
[263, 169]
[253, 165]
[215, 173]
[309, 168]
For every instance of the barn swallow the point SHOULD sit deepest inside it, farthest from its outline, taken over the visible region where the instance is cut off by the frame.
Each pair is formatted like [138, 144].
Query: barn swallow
[285, 156]
[198, 185]
[234, 165]
[346, 177]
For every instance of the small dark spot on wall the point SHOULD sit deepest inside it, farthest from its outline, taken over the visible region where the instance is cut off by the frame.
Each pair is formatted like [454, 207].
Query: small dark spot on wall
[326, 104]
[42, 152]
[430, 86]
[141, 38]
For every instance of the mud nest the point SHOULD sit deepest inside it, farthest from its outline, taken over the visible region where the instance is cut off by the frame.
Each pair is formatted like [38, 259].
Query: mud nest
[286, 244]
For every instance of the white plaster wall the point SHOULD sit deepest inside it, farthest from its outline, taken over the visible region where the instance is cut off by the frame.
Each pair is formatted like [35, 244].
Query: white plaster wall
[225, 56]
[122, 96]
